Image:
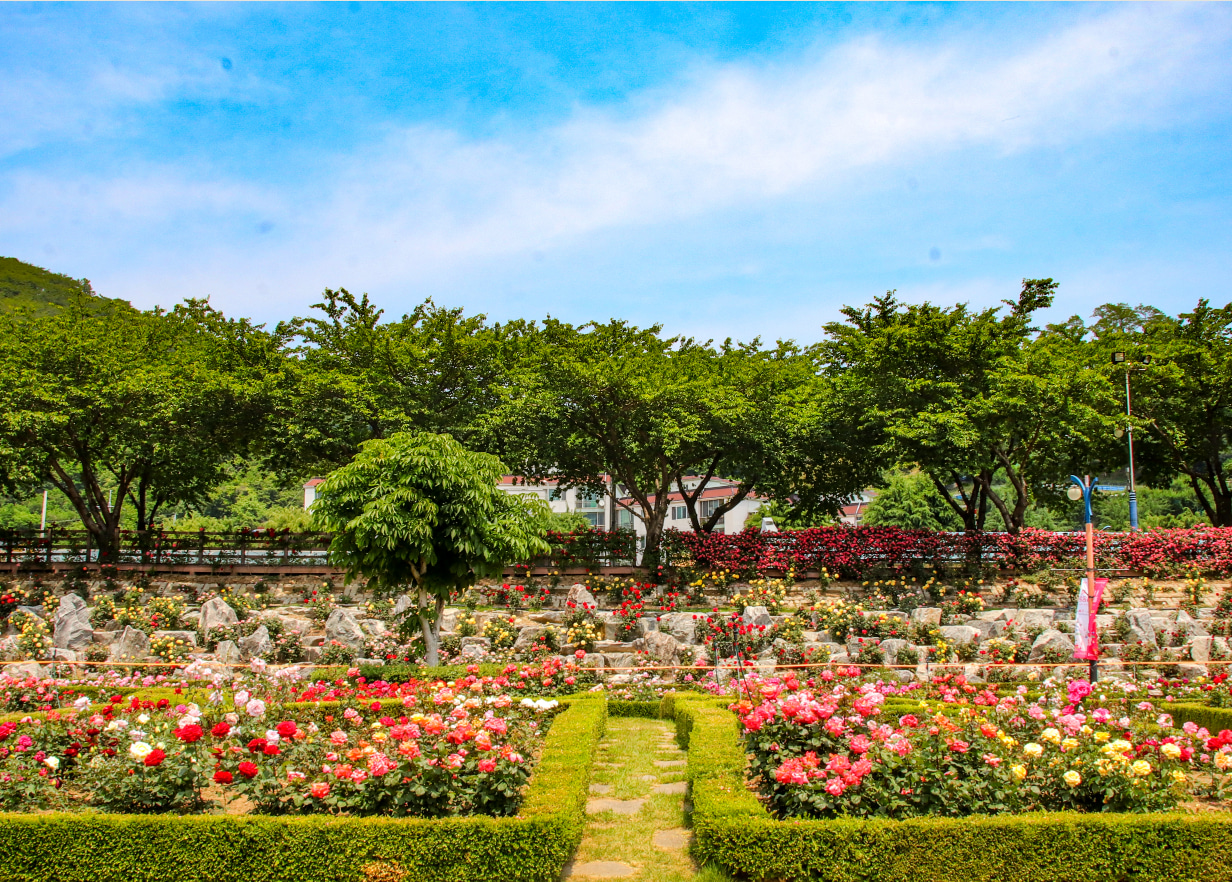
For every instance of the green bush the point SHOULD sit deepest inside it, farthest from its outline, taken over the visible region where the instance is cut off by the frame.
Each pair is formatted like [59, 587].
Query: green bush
[734, 831]
[633, 709]
[152, 848]
[1214, 719]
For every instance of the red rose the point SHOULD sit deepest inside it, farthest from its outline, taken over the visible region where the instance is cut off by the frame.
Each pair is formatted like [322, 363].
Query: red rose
[190, 733]
[155, 758]
[257, 745]
[286, 728]
[222, 777]
[271, 750]
[221, 730]
[247, 769]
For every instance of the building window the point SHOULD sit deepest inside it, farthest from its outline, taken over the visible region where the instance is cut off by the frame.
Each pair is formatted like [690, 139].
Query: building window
[679, 513]
[709, 507]
[624, 519]
[597, 519]
[589, 500]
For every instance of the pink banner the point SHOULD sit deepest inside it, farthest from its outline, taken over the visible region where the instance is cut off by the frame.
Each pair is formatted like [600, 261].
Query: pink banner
[1086, 631]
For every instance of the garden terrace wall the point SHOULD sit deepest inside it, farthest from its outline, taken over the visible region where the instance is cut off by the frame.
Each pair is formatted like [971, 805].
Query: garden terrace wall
[535, 845]
[734, 831]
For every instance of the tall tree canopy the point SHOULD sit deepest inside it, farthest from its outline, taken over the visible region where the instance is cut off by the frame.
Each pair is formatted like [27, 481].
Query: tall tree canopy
[151, 405]
[350, 378]
[977, 399]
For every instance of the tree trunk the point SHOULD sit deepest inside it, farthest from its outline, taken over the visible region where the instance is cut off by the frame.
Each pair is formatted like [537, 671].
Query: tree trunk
[430, 627]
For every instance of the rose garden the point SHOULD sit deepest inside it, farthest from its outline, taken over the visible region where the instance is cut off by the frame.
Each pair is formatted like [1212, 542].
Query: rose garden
[842, 704]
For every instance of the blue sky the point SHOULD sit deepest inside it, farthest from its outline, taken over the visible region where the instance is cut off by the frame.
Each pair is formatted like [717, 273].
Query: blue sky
[725, 170]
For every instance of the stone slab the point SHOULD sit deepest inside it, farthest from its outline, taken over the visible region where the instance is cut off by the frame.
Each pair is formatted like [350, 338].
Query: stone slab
[616, 806]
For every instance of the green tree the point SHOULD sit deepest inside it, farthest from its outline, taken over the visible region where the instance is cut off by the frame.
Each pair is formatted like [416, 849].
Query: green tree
[598, 403]
[912, 502]
[980, 401]
[140, 406]
[351, 378]
[421, 510]
[1182, 399]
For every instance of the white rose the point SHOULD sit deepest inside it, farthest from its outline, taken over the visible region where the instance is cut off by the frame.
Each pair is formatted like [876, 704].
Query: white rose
[52, 762]
[255, 708]
[139, 750]
[241, 698]
[143, 719]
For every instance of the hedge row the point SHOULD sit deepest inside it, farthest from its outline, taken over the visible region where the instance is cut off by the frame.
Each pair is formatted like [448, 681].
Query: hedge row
[535, 845]
[734, 831]
[1214, 719]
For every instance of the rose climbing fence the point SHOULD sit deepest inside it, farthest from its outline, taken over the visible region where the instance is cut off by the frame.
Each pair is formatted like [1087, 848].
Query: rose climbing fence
[844, 552]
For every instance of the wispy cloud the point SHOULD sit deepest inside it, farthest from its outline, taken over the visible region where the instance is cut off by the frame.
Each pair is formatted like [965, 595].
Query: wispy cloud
[426, 203]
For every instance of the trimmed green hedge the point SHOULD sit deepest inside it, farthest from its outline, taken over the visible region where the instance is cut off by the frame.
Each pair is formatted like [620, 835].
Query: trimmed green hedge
[535, 845]
[1214, 719]
[633, 709]
[733, 830]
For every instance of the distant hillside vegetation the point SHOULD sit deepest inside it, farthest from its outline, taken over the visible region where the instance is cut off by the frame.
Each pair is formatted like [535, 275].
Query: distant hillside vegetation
[42, 291]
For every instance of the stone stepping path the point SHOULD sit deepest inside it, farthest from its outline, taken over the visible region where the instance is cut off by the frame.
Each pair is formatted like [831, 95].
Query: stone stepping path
[636, 825]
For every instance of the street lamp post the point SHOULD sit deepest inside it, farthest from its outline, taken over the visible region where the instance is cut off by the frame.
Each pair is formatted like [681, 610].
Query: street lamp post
[1082, 490]
[1119, 358]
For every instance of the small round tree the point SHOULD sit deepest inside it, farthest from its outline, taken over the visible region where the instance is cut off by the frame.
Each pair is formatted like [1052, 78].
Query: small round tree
[420, 510]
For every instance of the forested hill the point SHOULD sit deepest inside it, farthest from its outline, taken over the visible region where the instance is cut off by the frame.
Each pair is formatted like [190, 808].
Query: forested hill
[42, 291]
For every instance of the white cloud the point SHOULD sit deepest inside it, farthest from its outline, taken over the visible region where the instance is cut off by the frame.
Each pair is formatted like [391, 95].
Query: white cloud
[426, 204]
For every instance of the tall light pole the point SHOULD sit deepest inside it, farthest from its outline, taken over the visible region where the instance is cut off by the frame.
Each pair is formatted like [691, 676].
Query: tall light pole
[1119, 358]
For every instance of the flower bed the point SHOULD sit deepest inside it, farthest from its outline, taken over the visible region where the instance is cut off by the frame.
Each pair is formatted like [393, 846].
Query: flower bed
[534, 845]
[855, 552]
[735, 831]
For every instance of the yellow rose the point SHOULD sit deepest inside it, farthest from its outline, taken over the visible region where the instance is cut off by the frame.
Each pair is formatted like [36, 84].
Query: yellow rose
[1019, 772]
[1072, 778]
[1069, 743]
[1101, 737]
[1033, 750]
[1223, 761]
[1051, 735]
[1086, 730]
[1178, 776]
[1140, 768]
[1171, 751]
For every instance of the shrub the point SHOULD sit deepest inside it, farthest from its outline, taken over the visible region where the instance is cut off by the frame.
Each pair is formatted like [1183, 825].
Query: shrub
[501, 632]
[336, 653]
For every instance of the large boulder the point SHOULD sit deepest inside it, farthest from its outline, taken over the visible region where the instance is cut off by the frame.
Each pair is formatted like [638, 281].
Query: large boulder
[216, 612]
[257, 644]
[1034, 618]
[342, 626]
[682, 626]
[72, 624]
[890, 648]
[579, 595]
[1141, 627]
[527, 637]
[1189, 626]
[986, 628]
[1053, 640]
[1200, 649]
[132, 645]
[926, 615]
[956, 634]
[402, 604]
[646, 624]
[663, 648]
[22, 670]
[228, 653]
[757, 615]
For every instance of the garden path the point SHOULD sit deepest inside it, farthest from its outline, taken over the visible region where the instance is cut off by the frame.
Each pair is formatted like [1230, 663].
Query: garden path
[637, 811]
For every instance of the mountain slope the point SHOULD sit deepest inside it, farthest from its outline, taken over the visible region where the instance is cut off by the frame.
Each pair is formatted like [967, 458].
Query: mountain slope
[43, 292]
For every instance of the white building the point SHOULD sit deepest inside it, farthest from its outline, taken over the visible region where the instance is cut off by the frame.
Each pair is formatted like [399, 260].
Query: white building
[718, 491]
[592, 507]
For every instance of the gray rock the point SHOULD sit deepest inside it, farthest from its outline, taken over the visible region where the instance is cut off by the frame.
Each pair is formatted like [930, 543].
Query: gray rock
[449, 620]
[1189, 626]
[756, 615]
[341, 626]
[1191, 671]
[256, 645]
[215, 612]
[985, 628]
[21, 670]
[580, 597]
[663, 648]
[527, 636]
[1200, 649]
[229, 654]
[106, 636]
[57, 654]
[1034, 618]
[973, 673]
[890, 648]
[997, 615]
[72, 624]
[312, 653]
[956, 634]
[646, 624]
[1141, 626]
[682, 626]
[926, 615]
[189, 637]
[34, 611]
[8, 648]
[131, 645]
[474, 651]
[403, 603]
[1054, 640]
[377, 628]
[476, 640]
